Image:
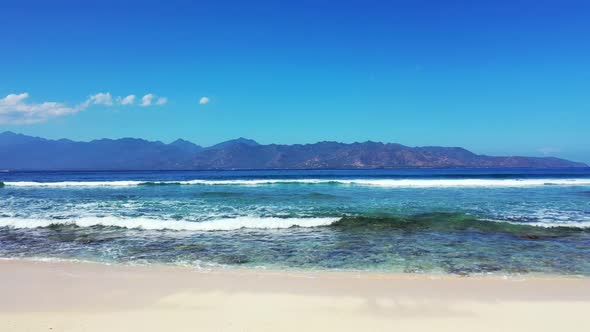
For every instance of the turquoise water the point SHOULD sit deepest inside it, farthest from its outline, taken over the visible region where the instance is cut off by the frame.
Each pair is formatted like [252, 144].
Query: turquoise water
[421, 221]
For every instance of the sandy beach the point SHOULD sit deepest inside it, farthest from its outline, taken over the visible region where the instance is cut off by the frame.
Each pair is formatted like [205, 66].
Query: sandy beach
[50, 296]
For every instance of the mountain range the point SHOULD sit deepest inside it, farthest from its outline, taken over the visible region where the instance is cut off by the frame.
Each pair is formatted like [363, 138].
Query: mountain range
[21, 152]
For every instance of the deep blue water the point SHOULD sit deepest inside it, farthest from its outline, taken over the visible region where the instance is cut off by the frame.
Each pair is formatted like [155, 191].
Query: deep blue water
[460, 221]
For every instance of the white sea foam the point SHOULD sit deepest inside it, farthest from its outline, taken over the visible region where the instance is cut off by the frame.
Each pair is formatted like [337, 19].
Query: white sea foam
[224, 224]
[385, 183]
[545, 223]
[73, 184]
[177, 225]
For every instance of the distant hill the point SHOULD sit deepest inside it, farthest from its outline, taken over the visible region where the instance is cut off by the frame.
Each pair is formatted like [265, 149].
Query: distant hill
[21, 152]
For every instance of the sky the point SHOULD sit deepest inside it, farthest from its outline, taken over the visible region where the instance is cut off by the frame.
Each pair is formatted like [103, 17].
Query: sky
[496, 77]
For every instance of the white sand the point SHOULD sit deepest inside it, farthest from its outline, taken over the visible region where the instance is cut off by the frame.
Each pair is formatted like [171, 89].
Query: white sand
[38, 296]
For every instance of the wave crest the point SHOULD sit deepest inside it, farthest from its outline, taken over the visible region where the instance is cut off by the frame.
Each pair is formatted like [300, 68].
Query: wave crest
[385, 183]
[437, 221]
[176, 225]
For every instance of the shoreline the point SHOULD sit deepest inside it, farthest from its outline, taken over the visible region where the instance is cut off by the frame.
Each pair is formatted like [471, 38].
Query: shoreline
[76, 296]
[295, 271]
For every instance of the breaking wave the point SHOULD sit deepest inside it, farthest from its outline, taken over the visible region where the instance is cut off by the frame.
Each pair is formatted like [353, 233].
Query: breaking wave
[437, 221]
[177, 225]
[385, 183]
[442, 221]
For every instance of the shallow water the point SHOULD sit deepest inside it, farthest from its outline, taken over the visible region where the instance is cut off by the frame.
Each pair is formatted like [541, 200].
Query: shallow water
[426, 221]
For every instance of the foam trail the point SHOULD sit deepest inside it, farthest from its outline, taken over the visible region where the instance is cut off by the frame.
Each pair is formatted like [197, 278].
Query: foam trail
[177, 225]
[577, 224]
[545, 224]
[73, 184]
[384, 183]
[450, 183]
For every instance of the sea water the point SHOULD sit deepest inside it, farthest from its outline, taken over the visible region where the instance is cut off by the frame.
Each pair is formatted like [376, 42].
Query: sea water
[458, 221]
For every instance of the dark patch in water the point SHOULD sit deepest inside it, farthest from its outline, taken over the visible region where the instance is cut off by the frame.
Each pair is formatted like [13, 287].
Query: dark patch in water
[529, 237]
[220, 194]
[233, 259]
[316, 195]
[157, 183]
[83, 235]
[189, 247]
[451, 222]
[62, 227]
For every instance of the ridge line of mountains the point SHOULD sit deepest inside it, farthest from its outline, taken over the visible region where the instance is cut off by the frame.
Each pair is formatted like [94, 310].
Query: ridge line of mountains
[22, 152]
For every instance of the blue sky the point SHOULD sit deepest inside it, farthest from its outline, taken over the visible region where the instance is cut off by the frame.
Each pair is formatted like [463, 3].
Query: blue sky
[496, 77]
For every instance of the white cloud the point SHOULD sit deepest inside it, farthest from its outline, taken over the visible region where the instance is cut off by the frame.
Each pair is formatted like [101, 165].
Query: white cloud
[101, 99]
[13, 99]
[152, 99]
[204, 100]
[127, 100]
[147, 99]
[15, 110]
[161, 101]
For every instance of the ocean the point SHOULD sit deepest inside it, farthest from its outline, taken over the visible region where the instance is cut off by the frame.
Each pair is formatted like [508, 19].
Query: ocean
[435, 221]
